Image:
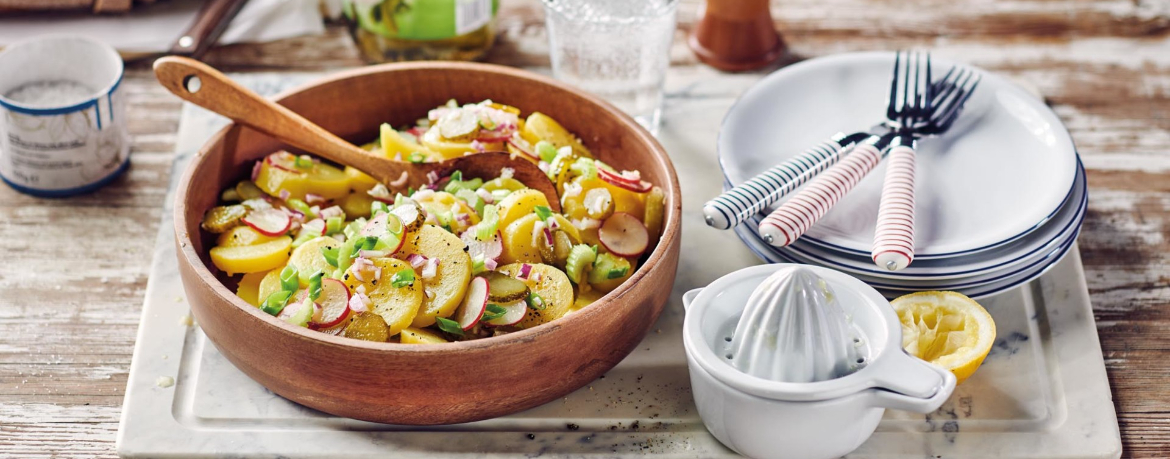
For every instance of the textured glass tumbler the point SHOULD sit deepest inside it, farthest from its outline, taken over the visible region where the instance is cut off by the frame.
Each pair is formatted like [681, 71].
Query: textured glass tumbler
[616, 49]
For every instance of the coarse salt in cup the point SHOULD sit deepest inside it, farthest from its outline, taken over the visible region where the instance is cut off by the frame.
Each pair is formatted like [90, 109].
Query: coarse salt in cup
[62, 116]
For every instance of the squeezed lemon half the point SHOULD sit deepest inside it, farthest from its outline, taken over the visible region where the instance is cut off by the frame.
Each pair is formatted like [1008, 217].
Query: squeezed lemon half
[946, 329]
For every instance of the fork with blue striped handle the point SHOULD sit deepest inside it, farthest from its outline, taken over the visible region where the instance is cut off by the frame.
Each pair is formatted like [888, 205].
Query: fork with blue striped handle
[742, 201]
[792, 219]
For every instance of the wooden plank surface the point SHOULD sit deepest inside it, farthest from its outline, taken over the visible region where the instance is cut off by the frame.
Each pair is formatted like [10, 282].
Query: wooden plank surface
[72, 284]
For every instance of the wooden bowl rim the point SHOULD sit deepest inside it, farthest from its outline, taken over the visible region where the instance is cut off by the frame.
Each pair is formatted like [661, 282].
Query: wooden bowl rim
[670, 232]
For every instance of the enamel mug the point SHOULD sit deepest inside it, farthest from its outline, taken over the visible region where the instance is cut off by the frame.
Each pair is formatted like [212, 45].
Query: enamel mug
[62, 116]
[766, 419]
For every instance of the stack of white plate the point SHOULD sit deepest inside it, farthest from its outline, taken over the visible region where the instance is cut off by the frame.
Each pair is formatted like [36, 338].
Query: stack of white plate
[1000, 198]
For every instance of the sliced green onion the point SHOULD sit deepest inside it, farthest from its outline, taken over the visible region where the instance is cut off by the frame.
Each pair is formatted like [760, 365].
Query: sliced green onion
[303, 237]
[378, 207]
[449, 326]
[594, 247]
[457, 176]
[387, 242]
[404, 278]
[477, 265]
[300, 206]
[493, 312]
[471, 199]
[344, 257]
[275, 302]
[315, 285]
[290, 279]
[617, 273]
[330, 254]
[333, 225]
[303, 162]
[535, 301]
[354, 228]
[546, 151]
[584, 167]
[417, 157]
[486, 229]
[543, 212]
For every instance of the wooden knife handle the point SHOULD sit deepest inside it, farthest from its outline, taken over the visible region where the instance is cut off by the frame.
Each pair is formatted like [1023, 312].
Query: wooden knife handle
[212, 20]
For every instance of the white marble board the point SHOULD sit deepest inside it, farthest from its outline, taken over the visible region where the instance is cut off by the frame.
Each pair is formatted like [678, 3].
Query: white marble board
[1042, 392]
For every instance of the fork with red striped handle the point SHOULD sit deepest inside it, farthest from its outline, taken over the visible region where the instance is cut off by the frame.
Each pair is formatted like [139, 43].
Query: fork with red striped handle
[915, 109]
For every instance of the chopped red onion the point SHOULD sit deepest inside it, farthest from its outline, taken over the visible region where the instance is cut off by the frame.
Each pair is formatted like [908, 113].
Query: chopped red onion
[373, 254]
[359, 302]
[485, 195]
[507, 172]
[548, 236]
[256, 170]
[416, 260]
[525, 271]
[543, 166]
[552, 223]
[332, 211]
[284, 195]
[432, 177]
[490, 264]
[314, 198]
[430, 269]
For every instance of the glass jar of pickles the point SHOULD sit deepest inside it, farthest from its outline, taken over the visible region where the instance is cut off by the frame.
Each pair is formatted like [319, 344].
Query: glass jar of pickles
[410, 30]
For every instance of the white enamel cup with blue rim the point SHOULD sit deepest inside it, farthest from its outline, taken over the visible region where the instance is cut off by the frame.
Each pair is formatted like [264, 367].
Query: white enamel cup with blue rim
[56, 150]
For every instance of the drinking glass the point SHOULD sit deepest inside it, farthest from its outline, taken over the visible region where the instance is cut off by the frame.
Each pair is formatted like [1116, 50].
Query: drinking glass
[616, 49]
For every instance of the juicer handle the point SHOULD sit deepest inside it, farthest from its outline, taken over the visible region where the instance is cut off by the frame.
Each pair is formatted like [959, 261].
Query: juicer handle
[689, 297]
[911, 384]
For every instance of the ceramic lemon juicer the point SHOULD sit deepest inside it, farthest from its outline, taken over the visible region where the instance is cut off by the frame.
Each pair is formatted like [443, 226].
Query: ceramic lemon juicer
[795, 361]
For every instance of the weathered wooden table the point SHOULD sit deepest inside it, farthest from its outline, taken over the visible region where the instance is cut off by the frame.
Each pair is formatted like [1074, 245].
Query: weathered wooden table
[72, 282]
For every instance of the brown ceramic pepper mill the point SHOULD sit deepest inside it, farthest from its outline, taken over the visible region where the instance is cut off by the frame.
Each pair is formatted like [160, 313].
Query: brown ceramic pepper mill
[736, 35]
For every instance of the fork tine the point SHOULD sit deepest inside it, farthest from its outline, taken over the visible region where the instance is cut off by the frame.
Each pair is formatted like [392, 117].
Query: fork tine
[952, 112]
[928, 100]
[891, 107]
[906, 89]
[943, 82]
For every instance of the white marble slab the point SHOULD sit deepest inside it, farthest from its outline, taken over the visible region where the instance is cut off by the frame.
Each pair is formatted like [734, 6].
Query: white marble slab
[1042, 392]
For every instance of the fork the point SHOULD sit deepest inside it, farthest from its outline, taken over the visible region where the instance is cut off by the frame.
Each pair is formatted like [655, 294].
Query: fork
[757, 193]
[792, 219]
[893, 244]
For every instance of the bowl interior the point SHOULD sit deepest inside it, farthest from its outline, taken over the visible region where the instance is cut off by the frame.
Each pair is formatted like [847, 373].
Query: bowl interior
[354, 104]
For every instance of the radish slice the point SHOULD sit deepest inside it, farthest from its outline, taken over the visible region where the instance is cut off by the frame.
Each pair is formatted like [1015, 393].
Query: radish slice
[315, 226]
[283, 160]
[334, 301]
[522, 145]
[293, 305]
[269, 222]
[474, 303]
[377, 226]
[515, 313]
[624, 235]
[620, 181]
[489, 250]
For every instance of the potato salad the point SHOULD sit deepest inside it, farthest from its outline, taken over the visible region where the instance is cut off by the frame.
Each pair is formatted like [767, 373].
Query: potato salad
[329, 248]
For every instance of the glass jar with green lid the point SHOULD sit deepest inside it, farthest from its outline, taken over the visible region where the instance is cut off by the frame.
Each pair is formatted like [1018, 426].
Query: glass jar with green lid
[411, 30]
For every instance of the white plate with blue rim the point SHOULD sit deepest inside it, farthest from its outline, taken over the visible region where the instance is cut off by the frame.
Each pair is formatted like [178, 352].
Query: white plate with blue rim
[1057, 230]
[1002, 171]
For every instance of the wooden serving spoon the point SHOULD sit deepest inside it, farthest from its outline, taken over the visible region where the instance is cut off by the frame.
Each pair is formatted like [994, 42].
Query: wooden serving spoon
[207, 87]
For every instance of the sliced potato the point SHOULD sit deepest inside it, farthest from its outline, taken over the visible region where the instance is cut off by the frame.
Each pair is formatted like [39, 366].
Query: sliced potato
[249, 287]
[501, 183]
[396, 305]
[308, 259]
[655, 213]
[269, 284]
[395, 146]
[586, 297]
[357, 205]
[322, 179]
[241, 236]
[539, 127]
[448, 149]
[252, 258]
[368, 326]
[519, 204]
[623, 200]
[445, 291]
[411, 335]
[359, 182]
[553, 287]
[520, 246]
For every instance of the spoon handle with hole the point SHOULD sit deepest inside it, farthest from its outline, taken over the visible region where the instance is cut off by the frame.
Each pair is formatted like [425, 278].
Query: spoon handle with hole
[793, 218]
[206, 87]
[750, 197]
[893, 240]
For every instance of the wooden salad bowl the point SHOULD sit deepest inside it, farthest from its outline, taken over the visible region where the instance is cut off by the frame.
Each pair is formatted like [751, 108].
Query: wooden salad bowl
[437, 383]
